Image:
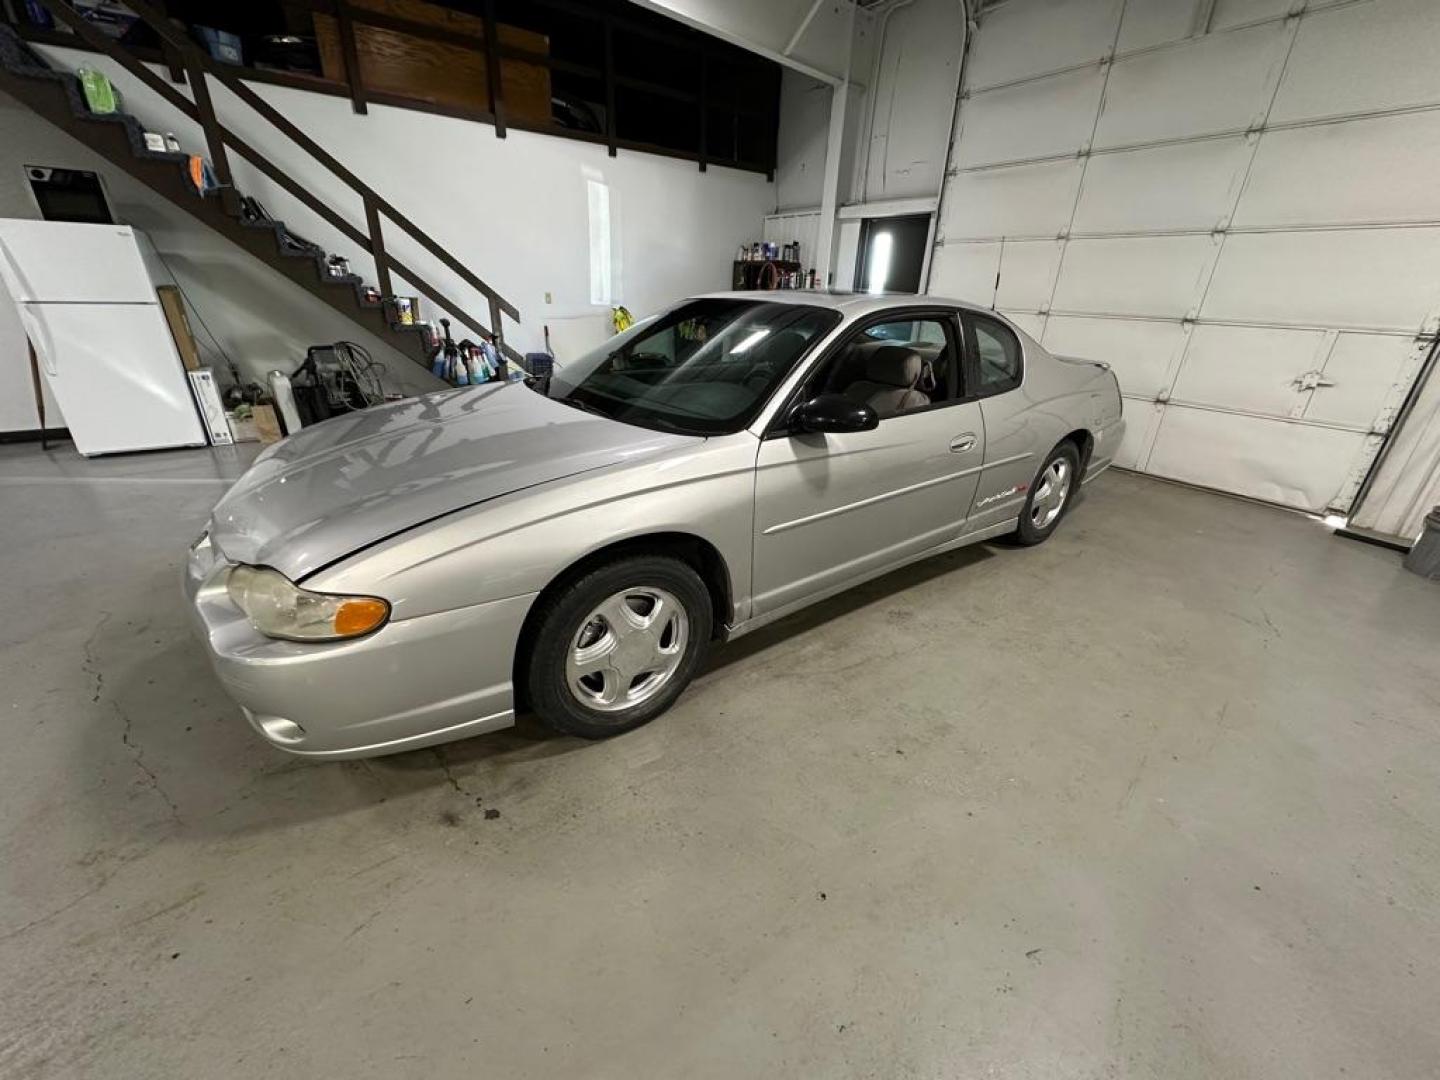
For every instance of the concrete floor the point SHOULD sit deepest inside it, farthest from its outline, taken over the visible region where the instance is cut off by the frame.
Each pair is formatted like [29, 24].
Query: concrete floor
[1157, 799]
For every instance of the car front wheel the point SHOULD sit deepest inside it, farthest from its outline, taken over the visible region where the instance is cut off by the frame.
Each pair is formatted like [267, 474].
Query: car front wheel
[615, 647]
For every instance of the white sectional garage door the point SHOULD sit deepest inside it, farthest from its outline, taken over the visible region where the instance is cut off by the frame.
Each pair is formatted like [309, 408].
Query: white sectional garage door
[1236, 203]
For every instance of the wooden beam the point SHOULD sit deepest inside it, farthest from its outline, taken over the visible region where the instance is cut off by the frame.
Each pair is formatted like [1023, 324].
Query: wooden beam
[610, 84]
[214, 139]
[494, 85]
[704, 108]
[174, 63]
[377, 248]
[495, 329]
[346, 28]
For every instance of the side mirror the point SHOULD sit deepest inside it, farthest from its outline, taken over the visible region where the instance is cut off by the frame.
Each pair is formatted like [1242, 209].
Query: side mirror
[833, 413]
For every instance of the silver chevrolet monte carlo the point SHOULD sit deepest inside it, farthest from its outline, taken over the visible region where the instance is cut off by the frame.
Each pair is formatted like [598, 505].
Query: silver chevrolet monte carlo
[412, 574]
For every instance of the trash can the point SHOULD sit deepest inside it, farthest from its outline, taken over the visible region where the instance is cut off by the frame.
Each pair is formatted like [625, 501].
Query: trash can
[1424, 557]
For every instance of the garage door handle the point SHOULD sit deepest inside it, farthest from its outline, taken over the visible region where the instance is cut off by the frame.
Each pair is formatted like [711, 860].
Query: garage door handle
[961, 443]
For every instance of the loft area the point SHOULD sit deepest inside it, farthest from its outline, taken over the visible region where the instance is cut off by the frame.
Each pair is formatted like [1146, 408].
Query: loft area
[606, 71]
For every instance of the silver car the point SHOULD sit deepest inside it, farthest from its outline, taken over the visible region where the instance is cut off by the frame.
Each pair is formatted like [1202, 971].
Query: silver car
[414, 573]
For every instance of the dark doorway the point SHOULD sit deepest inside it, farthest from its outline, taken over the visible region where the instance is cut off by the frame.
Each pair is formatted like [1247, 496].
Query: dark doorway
[892, 253]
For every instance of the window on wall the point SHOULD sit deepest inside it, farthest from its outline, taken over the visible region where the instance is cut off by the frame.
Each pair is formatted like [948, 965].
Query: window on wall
[671, 89]
[604, 71]
[598, 197]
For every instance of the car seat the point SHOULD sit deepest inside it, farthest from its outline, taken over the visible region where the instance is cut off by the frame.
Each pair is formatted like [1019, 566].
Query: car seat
[889, 386]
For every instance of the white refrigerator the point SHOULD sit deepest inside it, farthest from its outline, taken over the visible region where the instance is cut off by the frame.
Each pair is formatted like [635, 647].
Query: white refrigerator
[88, 304]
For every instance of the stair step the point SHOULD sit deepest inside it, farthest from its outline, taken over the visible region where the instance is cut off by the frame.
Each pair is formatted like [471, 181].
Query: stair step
[18, 59]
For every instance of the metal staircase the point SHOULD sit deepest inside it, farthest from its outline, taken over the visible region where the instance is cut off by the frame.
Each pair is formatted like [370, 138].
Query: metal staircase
[57, 96]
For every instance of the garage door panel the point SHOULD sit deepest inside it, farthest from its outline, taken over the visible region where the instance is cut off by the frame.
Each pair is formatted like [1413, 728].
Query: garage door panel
[1328, 174]
[1141, 418]
[1049, 118]
[1369, 372]
[1142, 353]
[1252, 369]
[1362, 58]
[1229, 14]
[1163, 188]
[1222, 82]
[1027, 274]
[1019, 40]
[1026, 200]
[1148, 275]
[1383, 279]
[1220, 256]
[1154, 22]
[1290, 463]
[964, 271]
[1029, 321]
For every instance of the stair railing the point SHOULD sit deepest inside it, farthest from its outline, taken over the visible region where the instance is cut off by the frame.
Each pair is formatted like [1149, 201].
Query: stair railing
[198, 65]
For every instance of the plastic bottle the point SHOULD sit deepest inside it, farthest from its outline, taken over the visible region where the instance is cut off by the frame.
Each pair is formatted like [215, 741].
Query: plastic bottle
[99, 94]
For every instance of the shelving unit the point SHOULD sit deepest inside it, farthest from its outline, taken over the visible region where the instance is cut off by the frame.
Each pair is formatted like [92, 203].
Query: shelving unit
[754, 274]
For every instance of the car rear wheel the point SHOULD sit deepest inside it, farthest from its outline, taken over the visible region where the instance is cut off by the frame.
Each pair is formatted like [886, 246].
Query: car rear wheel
[615, 647]
[1050, 495]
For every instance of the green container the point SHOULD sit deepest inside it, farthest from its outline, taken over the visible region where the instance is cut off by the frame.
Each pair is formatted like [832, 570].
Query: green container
[99, 94]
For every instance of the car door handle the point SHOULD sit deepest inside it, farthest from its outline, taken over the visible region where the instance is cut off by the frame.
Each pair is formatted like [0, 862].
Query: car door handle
[961, 443]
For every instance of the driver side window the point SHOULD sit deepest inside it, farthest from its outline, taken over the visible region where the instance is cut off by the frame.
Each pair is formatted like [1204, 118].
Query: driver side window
[895, 366]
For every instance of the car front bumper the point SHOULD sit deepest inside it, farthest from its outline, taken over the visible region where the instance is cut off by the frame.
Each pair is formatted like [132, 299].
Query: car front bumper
[412, 683]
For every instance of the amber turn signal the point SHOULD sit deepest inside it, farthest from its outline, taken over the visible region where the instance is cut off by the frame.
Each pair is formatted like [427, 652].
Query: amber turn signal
[360, 616]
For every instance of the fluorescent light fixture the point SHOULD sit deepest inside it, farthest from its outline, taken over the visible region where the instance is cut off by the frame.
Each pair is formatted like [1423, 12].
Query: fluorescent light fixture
[749, 340]
[877, 270]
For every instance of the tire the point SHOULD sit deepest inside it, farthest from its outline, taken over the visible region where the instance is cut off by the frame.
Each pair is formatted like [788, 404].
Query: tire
[1043, 513]
[605, 658]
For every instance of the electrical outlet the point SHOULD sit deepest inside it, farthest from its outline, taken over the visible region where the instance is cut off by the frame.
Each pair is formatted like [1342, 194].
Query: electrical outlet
[549, 299]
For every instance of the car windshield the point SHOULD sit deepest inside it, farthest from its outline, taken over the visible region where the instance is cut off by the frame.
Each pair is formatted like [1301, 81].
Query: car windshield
[702, 368]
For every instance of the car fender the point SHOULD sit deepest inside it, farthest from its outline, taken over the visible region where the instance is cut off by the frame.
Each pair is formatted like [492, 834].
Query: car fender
[517, 544]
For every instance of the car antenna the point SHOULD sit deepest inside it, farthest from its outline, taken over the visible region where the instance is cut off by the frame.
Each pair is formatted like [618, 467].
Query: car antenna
[995, 296]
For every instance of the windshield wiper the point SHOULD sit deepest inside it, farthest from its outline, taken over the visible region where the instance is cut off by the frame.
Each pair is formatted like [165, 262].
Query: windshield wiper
[584, 406]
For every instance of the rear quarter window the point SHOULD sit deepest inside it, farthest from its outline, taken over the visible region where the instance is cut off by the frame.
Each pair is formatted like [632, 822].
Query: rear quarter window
[998, 355]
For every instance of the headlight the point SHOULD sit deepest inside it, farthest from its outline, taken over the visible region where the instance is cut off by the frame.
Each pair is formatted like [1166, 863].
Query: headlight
[281, 609]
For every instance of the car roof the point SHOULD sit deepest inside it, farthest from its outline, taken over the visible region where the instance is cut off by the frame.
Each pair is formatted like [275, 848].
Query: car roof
[849, 303]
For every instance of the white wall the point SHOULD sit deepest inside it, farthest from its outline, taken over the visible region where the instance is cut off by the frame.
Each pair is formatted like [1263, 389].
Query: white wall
[1242, 220]
[513, 209]
[800, 149]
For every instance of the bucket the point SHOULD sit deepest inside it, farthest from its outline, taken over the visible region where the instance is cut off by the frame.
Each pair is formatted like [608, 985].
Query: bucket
[1424, 557]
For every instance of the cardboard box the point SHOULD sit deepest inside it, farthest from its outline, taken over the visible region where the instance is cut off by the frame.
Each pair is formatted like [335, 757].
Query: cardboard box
[267, 424]
[212, 409]
[173, 305]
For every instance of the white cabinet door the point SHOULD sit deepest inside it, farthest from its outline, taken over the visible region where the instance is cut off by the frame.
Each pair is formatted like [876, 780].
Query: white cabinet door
[115, 373]
[66, 262]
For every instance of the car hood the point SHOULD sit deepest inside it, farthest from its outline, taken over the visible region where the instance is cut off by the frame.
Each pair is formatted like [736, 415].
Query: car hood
[351, 481]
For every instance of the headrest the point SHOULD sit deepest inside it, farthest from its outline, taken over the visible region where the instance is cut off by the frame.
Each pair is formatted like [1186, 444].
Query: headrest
[894, 365]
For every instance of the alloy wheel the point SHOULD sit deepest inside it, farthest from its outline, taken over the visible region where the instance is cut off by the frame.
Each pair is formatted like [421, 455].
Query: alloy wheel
[627, 649]
[1051, 492]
